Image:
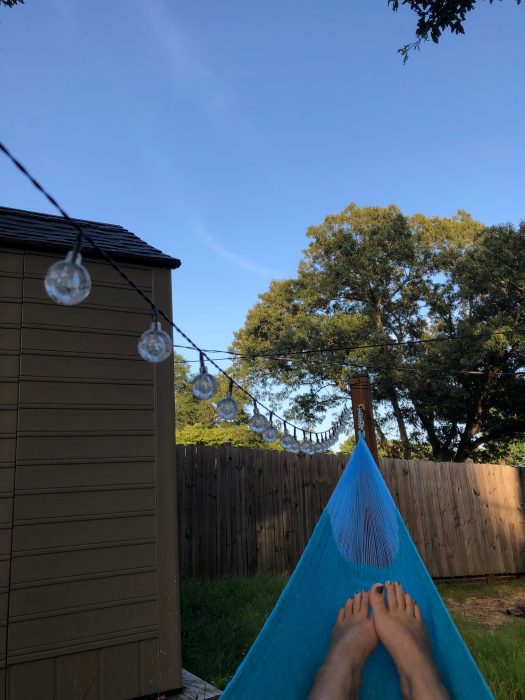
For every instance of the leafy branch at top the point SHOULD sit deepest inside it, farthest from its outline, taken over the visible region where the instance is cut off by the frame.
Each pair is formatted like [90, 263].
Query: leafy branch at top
[434, 17]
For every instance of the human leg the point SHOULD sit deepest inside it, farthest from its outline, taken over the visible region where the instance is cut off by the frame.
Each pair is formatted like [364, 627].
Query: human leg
[400, 627]
[353, 639]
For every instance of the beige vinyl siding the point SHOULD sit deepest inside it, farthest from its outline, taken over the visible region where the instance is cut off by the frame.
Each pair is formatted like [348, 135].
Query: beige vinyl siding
[11, 282]
[88, 549]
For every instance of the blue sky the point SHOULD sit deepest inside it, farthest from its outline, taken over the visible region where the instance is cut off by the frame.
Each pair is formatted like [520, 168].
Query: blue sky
[219, 131]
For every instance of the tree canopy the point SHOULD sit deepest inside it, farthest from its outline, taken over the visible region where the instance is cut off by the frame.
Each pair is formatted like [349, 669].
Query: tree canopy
[434, 17]
[432, 308]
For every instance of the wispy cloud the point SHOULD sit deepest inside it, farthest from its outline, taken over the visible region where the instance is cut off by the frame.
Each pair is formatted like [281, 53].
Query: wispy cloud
[188, 67]
[191, 69]
[235, 259]
[66, 15]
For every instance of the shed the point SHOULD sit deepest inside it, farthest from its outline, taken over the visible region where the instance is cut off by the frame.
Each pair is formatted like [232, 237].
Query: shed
[89, 578]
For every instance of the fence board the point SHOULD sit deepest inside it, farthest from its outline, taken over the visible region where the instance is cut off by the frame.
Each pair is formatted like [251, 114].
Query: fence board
[460, 531]
[286, 515]
[498, 499]
[463, 520]
[250, 513]
[262, 561]
[222, 515]
[513, 497]
[415, 515]
[484, 484]
[244, 511]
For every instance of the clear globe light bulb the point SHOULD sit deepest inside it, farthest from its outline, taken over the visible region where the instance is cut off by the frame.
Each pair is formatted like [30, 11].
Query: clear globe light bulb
[258, 423]
[155, 344]
[67, 281]
[204, 386]
[287, 441]
[294, 447]
[270, 434]
[227, 408]
[306, 447]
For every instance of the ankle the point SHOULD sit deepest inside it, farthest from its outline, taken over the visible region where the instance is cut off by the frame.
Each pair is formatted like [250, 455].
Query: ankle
[425, 686]
[336, 680]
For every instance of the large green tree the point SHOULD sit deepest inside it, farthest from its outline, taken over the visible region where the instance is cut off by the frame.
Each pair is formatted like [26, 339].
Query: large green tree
[370, 277]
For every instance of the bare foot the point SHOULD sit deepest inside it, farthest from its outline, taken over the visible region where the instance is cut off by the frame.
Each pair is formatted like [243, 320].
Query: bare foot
[401, 629]
[353, 640]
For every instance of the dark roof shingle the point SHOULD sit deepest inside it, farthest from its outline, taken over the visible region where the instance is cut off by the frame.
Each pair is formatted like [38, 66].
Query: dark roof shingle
[46, 232]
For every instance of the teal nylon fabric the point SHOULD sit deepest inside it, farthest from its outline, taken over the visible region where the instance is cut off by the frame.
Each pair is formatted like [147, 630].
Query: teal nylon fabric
[359, 540]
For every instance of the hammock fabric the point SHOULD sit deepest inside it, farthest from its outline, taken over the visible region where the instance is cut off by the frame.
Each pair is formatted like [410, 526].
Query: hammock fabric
[360, 539]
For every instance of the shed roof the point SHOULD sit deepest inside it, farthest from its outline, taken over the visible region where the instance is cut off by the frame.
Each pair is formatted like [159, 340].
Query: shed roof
[29, 229]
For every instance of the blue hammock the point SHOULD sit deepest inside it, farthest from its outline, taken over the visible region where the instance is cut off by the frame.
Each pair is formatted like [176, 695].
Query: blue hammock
[360, 539]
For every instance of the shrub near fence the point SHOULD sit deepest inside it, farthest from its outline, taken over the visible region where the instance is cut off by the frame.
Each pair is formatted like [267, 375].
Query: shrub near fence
[243, 511]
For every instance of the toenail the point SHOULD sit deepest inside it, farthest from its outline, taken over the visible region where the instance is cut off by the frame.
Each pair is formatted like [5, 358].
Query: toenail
[380, 589]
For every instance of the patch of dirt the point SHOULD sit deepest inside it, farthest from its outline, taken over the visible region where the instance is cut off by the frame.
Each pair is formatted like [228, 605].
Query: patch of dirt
[490, 611]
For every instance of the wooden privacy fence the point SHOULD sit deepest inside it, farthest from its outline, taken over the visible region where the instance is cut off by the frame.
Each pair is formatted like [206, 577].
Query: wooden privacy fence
[244, 511]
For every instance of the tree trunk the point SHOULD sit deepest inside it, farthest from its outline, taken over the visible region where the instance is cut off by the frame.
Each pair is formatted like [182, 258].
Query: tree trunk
[428, 424]
[398, 414]
[391, 393]
[382, 438]
[466, 447]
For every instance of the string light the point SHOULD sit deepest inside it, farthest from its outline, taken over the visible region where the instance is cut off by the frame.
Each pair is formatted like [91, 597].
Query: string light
[258, 423]
[204, 386]
[227, 407]
[271, 433]
[305, 444]
[287, 440]
[67, 281]
[155, 345]
[294, 447]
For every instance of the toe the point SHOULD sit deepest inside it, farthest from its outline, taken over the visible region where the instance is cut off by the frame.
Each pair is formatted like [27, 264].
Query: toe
[377, 600]
[417, 611]
[365, 601]
[357, 601]
[409, 603]
[391, 595]
[341, 614]
[349, 607]
[400, 595]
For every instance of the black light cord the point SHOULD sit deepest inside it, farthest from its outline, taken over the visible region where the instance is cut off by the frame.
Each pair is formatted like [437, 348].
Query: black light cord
[156, 311]
[350, 348]
[81, 234]
[47, 195]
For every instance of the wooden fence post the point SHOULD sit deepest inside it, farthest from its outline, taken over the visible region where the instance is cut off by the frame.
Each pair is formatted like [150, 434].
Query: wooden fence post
[361, 395]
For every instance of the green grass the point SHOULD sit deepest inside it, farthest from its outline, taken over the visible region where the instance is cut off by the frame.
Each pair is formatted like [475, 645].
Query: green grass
[220, 620]
[499, 653]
